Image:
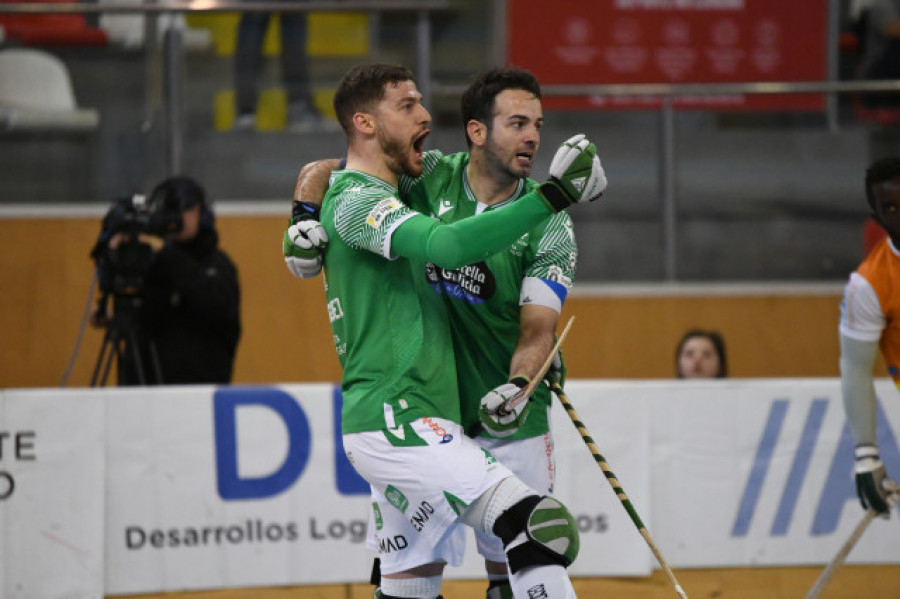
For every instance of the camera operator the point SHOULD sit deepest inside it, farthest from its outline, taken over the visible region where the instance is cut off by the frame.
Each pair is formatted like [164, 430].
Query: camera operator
[175, 315]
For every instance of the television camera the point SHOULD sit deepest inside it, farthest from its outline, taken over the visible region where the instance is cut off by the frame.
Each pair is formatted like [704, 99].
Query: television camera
[121, 270]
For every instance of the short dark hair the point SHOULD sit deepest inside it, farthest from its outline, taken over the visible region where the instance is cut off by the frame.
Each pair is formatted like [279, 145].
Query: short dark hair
[363, 86]
[880, 171]
[718, 343]
[477, 102]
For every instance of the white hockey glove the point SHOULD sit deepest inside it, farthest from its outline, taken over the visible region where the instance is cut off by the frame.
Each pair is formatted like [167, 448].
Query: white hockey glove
[304, 242]
[875, 490]
[503, 409]
[576, 175]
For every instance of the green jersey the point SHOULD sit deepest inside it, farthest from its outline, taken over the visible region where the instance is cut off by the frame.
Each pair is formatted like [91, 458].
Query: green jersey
[390, 331]
[484, 299]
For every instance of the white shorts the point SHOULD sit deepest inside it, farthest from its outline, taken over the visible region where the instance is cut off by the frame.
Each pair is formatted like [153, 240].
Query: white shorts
[393, 537]
[531, 460]
[423, 476]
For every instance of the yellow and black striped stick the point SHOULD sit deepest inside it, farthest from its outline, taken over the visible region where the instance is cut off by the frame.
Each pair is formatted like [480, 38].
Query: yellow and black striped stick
[620, 493]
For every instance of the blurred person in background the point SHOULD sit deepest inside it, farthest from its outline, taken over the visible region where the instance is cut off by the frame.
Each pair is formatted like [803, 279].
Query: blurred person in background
[869, 313]
[174, 317]
[880, 46]
[302, 116]
[701, 354]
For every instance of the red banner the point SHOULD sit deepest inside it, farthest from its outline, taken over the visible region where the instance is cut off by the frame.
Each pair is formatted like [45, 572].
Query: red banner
[672, 42]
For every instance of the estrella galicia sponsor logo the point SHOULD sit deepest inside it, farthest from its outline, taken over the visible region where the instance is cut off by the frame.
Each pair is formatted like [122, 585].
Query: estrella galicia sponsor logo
[421, 516]
[474, 283]
[396, 498]
[438, 430]
[389, 544]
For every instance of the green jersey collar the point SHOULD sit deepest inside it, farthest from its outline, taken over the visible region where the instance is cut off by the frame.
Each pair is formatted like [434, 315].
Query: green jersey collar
[371, 178]
[520, 185]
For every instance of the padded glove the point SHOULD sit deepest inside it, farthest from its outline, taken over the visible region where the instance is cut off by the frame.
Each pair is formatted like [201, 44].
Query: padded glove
[304, 241]
[576, 175]
[499, 414]
[871, 480]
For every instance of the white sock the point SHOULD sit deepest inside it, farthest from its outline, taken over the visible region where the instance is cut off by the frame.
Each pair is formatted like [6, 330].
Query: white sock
[542, 582]
[420, 588]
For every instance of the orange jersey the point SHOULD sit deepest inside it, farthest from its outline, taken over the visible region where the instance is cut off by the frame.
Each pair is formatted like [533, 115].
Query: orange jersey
[867, 316]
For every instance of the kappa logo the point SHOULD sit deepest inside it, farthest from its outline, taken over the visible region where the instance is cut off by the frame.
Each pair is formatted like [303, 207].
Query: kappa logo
[578, 183]
[445, 207]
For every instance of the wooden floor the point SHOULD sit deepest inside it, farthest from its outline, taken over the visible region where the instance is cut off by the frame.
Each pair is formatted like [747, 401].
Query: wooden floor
[849, 582]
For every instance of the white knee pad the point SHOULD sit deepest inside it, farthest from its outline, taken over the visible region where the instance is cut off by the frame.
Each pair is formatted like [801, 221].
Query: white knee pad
[483, 513]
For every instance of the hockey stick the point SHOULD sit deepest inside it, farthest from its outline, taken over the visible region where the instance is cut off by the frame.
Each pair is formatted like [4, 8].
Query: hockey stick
[617, 488]
[838, 560]
[528, 389]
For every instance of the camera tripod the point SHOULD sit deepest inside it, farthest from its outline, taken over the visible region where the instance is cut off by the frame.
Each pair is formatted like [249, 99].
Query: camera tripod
[124, 341]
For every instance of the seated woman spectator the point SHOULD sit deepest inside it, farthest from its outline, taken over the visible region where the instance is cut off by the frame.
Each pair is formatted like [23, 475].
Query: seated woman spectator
[701, 355]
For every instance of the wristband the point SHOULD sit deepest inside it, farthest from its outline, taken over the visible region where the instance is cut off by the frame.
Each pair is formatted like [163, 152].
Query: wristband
[301, 210]
[520, 380]
[554, 196]
[865, 451]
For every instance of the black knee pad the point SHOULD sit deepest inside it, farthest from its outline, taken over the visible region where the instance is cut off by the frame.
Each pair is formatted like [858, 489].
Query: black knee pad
[550, 531]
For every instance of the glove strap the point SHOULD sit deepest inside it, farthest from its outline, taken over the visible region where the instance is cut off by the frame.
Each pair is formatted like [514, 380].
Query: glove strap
[301, 210]
[554, 196]
[520, 380]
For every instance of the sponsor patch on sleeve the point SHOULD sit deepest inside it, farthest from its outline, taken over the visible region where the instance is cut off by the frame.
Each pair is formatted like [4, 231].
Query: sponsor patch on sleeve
[381, 211]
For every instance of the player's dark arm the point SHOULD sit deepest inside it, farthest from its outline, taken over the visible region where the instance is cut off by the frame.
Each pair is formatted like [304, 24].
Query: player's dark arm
[312, 181]
[537, 335]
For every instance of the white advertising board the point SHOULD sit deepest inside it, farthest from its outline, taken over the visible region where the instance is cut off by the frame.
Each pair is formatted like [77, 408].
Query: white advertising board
[249, 487]
[51, 494]
[228, 487]
[755, 472]
[162, 489]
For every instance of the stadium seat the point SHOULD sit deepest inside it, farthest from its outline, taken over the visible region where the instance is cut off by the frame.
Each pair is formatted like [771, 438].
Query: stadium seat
[127, 30]
[51, 29]
[36, 94]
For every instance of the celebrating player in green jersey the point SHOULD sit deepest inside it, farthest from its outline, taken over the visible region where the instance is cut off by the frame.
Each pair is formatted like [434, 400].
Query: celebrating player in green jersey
[391, 357]
[503, 310]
